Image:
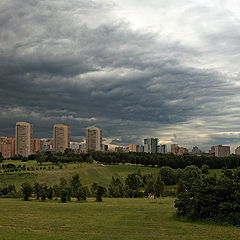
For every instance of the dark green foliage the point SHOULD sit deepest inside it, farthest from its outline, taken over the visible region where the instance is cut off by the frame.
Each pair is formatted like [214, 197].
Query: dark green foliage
[158, 187]
[82, 193]
[211, 198]
[180, 186]
[43, 191]
[36, 190]
[27, 190]
[205, 169]
[63, 195]
[94, 189]
[75, 184]
[50, 193]
[89, 159]
[134, 181]
[190, 172]
[116, 188]
[99, 193]
[8, 191]
[169, 175]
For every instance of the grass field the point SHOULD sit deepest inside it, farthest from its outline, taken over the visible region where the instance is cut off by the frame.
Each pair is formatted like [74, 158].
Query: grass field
[138, 219]
[89, 173]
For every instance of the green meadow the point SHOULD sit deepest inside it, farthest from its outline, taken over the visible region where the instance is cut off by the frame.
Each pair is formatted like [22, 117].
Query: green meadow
[138, 219]
[89, 173]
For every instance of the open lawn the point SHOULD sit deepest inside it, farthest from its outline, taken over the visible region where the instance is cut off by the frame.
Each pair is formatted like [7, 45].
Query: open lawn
[89, 173]
[138, 219]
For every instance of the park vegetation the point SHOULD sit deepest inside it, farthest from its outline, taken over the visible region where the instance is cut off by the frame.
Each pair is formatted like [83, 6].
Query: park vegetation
[143, 159]
[211, 198]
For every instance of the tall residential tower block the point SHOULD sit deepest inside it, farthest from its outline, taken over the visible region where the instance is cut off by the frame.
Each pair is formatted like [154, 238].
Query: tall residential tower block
[93, 139]
[61, 137]
[24, 138]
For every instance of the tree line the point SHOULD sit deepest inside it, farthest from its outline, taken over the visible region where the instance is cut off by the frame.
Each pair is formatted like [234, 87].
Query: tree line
[135, 185]
[143, 159]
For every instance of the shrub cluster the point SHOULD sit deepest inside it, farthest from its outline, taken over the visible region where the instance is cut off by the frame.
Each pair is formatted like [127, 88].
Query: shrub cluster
[211, 198]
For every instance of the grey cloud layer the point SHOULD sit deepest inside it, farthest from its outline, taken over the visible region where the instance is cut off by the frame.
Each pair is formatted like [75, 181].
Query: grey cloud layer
[73, 62]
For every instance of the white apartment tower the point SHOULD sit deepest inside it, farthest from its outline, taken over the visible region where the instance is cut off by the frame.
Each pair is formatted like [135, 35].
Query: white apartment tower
[23, 138]
[93, 139]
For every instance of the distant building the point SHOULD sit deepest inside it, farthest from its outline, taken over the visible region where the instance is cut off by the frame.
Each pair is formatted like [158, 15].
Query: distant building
[150, 145]
[105, 148]
[121, 149]
[61, 134]
[237, 151]
[174, 148]
[24, 139]
[222, 151]
[182, 151]
[163, 149]
[196, 151]
[7, 147]
[93, 139]
[36, 144]
[75, 145]
[134, 147]
[46, 144]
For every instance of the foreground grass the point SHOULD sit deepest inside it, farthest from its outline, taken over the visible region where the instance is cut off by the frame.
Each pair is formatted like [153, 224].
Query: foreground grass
[138, 219]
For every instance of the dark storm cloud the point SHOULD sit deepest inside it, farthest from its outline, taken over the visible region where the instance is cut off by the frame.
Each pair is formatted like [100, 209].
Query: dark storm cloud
[72, 62]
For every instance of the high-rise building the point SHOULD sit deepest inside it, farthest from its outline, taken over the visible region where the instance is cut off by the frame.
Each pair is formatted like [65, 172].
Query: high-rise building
[222, 151]
[7, 147]
[93, 139]
[150, 145]
[237, 151]
[163, 149]
[24, 138]
[174, 148]
[60, 137]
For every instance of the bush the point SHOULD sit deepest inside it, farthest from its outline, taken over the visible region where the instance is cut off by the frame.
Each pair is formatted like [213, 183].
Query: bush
[212, 199]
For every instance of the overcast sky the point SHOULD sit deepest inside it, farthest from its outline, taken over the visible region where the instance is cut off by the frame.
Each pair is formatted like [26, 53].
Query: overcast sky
[135, 68]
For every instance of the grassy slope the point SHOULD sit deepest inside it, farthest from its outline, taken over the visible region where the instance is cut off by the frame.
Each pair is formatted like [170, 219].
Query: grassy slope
[89, 173]
[138, 219]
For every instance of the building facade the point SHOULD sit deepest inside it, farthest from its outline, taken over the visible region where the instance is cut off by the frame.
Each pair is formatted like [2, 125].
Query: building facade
[150, 145]
[174, 148]
[36, 144]
[24, 145]
[222, 151]
[7, 147]
[93, 139]
[61, 135]
[237, 151]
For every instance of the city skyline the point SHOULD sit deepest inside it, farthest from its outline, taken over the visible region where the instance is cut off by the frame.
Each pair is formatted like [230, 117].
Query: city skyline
[172, 74]
[93, 140]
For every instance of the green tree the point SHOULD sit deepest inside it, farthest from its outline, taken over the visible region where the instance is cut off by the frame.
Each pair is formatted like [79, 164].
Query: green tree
[90, 159]
[205, 169]
[134, 181]
[180, 186]
[168, 175]
[75, 184]
[27, 190]
[94, 189]
[36, 189]
[50, 193]
[40, 157]
[100, 192]
[158, 187]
